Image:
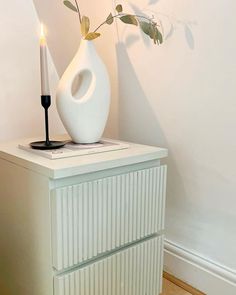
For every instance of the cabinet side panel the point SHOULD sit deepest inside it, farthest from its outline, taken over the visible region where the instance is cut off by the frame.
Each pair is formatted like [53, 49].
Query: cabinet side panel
[25, 260]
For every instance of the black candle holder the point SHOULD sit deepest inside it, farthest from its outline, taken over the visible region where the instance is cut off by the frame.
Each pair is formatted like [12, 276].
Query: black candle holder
[47, 144]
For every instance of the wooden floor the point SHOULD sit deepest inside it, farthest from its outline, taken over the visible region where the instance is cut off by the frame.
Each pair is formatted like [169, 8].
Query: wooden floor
[171, 289]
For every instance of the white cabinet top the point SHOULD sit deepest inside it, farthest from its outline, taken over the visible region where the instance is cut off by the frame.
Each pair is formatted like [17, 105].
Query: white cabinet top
[72, 166]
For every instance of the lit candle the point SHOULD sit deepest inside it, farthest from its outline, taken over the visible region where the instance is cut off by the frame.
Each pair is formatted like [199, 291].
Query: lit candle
[45, 90]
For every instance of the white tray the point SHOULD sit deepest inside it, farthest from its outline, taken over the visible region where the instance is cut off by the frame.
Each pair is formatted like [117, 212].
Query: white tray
[72, 150]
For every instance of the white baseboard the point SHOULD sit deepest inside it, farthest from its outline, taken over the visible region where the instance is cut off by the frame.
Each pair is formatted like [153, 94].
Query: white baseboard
[199, 272]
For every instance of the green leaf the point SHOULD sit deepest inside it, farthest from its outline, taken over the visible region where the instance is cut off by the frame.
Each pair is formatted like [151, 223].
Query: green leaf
[158, 36]
[110, 19]
[145, 27]
[70, 5]
[152, 31]
[148, 28]
[85, 24]
[119, 8]
[129, 19]
[92, 36]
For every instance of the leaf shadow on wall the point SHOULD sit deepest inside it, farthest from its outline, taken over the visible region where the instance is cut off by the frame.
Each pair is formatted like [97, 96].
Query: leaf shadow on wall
[139, 123]
[169, 23]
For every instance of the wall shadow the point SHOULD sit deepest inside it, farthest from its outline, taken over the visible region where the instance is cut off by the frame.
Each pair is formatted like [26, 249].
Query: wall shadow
[139, 123]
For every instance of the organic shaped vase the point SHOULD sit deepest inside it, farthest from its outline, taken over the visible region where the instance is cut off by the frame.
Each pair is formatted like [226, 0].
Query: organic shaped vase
[83, 95]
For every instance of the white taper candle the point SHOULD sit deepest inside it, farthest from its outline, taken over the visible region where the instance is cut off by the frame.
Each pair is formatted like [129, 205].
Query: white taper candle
[45, 89]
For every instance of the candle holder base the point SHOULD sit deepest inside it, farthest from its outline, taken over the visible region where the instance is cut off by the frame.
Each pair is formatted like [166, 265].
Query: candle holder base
[43, 145]
[47, 144]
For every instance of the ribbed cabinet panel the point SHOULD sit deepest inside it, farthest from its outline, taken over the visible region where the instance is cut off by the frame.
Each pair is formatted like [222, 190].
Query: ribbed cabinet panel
[133, 271]
[92, 218]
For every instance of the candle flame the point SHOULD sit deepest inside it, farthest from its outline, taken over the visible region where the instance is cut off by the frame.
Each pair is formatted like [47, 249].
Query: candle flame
[42, 35]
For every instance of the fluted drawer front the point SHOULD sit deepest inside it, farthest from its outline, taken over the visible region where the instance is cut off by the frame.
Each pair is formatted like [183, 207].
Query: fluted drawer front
[134, 271]
[95, 217]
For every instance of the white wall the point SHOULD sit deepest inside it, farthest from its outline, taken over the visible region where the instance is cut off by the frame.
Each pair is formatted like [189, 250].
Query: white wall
[20, 112]
[182, 95]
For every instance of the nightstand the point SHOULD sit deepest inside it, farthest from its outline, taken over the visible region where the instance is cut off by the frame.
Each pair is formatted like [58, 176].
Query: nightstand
[86, 225]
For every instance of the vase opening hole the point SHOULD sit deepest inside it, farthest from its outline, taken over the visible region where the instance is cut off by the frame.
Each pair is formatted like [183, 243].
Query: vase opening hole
[81, 84]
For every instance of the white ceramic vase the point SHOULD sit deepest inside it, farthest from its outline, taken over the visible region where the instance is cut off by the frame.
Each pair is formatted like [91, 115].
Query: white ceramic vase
[83, 95]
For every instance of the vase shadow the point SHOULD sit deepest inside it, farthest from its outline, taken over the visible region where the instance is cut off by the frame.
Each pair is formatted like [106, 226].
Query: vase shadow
[139, 123]
[133, 97]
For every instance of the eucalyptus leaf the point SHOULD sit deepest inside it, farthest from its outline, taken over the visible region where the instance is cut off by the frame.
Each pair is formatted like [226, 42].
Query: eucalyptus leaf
[110, 19]
[145, 27]
[119, 8]
[158, 36]
[155, 37]
[149, 29]
[92, 36]
[152, 33]
[70, 5]
[85, 25]
[129, 19]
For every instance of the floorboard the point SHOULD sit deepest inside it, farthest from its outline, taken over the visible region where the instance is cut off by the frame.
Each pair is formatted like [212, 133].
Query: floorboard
[171, 289]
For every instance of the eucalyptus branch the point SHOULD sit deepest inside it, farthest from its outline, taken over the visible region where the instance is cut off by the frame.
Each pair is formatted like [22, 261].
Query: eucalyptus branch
[78, 10]
[120, 15]
[105, 22]
[146, 24]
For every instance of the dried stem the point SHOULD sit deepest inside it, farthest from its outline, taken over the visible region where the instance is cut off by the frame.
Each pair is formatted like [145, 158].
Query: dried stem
[119, 15]
[110, 18]
[77, 6]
